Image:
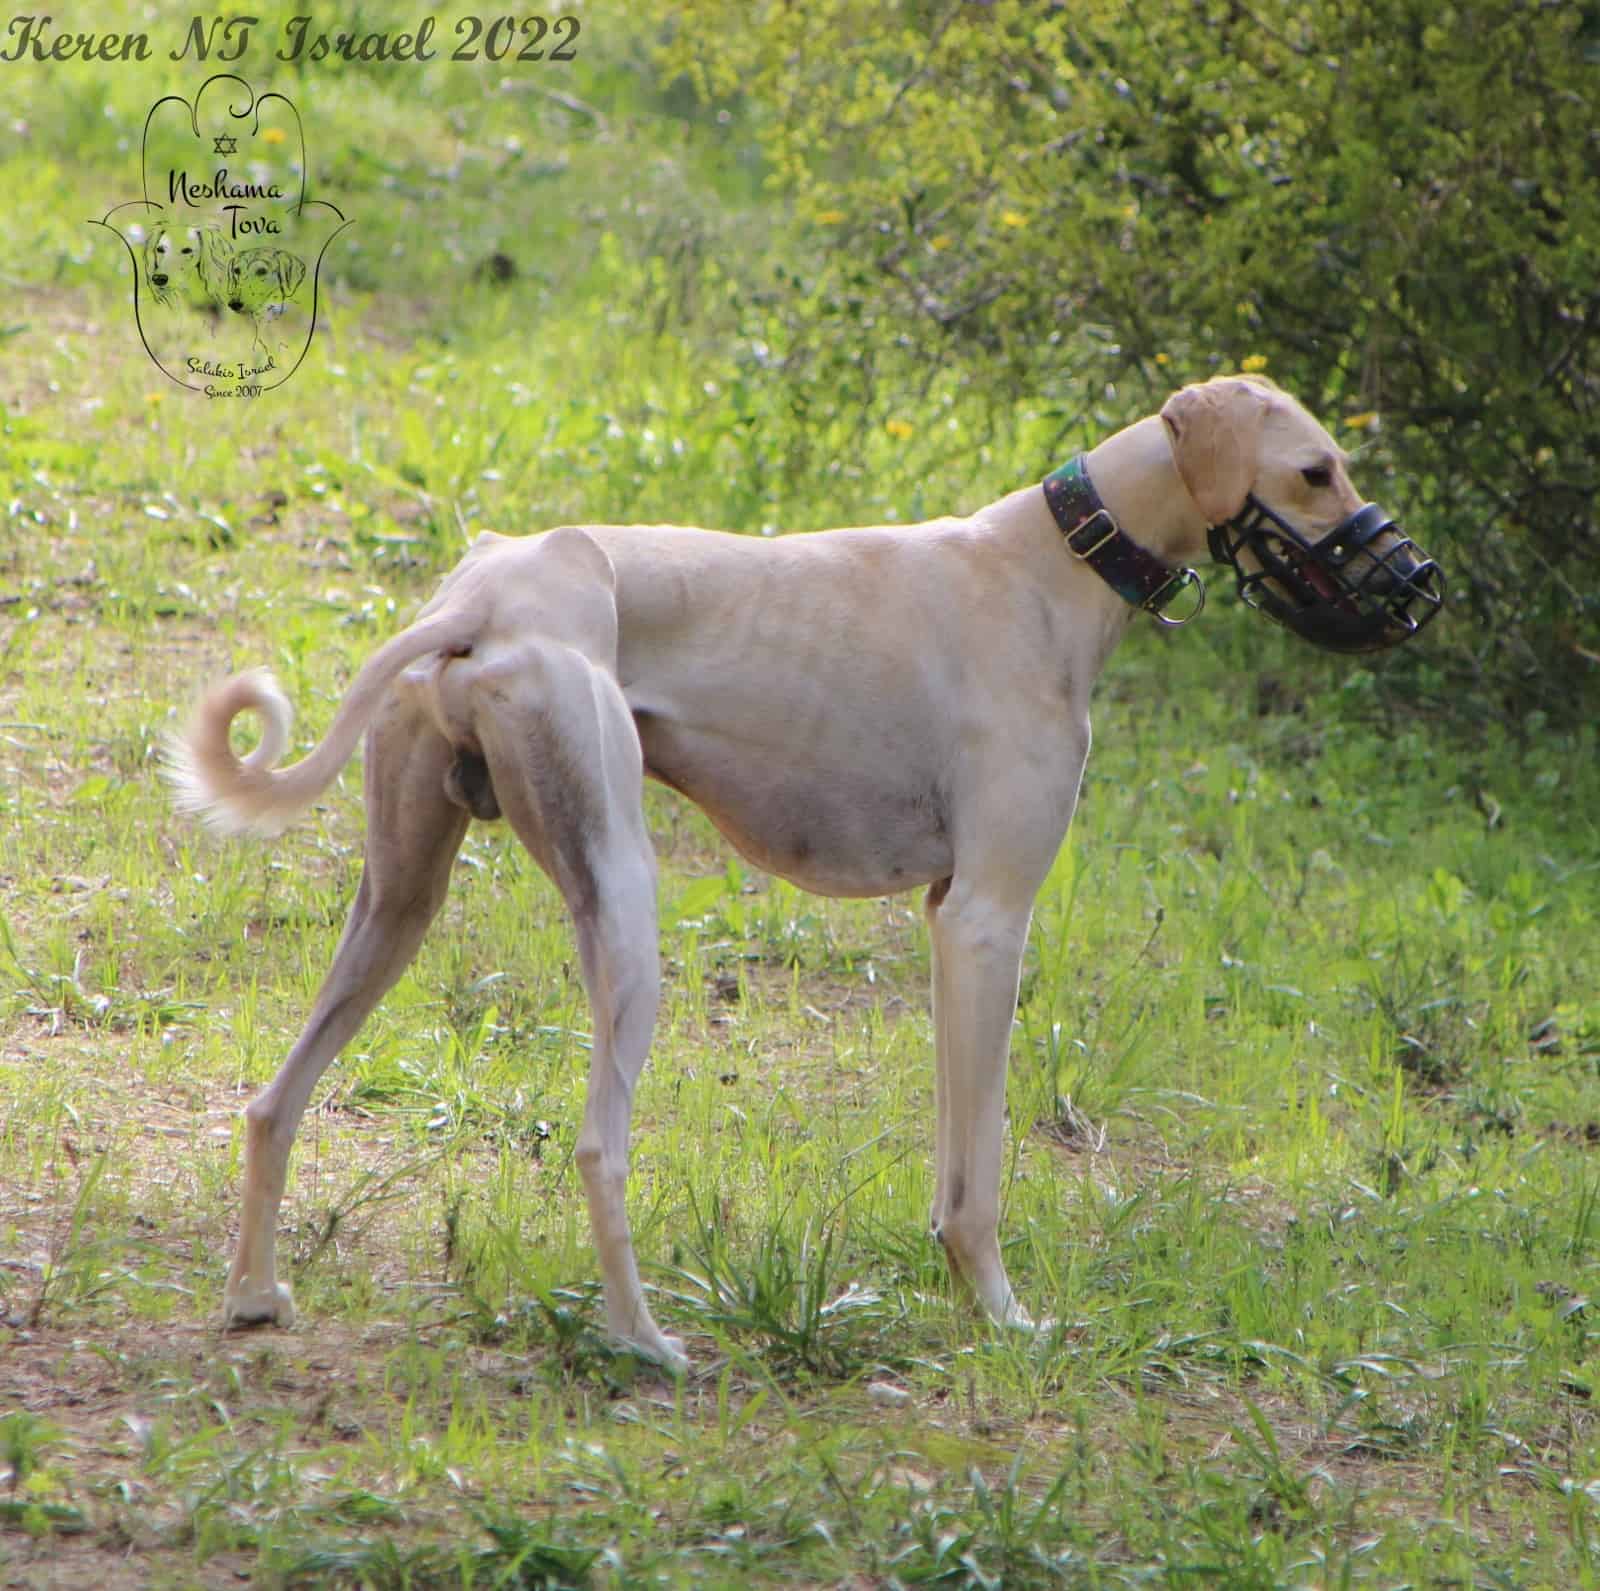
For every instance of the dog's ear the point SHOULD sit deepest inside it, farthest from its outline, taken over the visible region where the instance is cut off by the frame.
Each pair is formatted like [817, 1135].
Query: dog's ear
[1215, 431]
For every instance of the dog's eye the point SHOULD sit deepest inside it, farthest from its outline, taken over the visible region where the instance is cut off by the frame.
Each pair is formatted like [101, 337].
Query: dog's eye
[1318, 475]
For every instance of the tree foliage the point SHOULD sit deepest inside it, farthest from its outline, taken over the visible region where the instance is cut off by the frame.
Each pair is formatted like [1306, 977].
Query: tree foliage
[1393, 205]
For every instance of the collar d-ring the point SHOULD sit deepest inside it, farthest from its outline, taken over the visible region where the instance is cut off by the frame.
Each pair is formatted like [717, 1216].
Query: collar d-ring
[1181, 580]
[1092, 535]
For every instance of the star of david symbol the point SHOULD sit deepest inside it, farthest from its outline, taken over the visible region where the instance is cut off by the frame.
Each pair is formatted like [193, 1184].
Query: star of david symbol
[224, 144]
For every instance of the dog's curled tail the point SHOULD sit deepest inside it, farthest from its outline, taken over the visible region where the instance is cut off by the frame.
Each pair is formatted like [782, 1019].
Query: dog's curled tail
[250, 794]
[236, 795]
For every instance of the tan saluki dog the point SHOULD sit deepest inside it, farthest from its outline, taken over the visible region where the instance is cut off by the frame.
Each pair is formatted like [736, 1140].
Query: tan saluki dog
[861, 711]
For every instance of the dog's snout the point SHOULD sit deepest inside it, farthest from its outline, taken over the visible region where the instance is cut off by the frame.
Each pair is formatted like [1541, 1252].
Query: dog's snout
[160, 279]
[1395, 569]
[236, 304]
[1408, 561]
[1364, 586]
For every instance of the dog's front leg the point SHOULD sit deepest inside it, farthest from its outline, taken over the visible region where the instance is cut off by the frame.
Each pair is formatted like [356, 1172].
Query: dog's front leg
[977, 944]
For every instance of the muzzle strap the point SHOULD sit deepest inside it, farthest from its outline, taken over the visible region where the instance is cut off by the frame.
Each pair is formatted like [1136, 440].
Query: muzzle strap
[1140, 578]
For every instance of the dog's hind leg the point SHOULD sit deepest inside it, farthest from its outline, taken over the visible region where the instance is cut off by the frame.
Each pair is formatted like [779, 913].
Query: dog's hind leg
[413, 832]
[567, 770]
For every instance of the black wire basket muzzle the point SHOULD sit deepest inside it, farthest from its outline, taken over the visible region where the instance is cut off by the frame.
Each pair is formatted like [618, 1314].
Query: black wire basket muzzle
[1346, 592]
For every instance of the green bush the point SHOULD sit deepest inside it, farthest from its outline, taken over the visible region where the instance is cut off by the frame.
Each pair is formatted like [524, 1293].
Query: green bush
[1392, 206]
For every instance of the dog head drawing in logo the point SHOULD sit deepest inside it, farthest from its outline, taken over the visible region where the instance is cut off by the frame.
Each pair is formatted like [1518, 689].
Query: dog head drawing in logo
[188, 266]
[261, 281]
[263, 277]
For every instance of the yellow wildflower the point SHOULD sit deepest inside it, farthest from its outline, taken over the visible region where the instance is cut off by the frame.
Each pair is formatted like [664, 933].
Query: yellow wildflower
[1364, 421]
[1253, 364]
[1013, 218]
[273, 135]
[899, 429]
[829, 217]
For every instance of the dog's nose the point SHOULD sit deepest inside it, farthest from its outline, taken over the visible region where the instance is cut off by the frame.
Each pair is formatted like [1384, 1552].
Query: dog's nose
[1395, 569]
[236, 303]
[160, 281]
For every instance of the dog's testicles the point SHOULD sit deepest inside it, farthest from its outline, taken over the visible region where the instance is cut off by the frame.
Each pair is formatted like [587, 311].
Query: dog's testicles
[468, 784]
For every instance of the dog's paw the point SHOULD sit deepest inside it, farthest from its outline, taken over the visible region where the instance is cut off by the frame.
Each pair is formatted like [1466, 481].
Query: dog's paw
[257, 1306]
[1046, 1326]
[1014, 1318]
[1044, 1331]
[1018, 1319]
[660, 1348]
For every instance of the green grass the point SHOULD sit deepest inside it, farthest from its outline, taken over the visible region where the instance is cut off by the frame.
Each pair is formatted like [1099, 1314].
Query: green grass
[1303, 1109]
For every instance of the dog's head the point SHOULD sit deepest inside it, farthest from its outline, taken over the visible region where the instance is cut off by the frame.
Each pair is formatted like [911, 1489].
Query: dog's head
[262, 276]
[169, 259]
[1275, 489]
[185, 262]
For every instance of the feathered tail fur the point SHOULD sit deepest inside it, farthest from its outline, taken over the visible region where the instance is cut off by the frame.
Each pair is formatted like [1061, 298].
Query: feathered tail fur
[250, 795]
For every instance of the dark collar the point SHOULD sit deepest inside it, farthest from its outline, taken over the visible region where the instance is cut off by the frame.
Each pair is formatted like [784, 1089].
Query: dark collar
[1140, 578]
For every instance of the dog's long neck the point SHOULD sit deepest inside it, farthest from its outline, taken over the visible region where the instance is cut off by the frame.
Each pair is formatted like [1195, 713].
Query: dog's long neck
[1138, 480]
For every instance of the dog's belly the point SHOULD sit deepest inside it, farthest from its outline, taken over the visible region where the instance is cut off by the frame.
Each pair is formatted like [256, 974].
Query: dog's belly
[831, 830]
